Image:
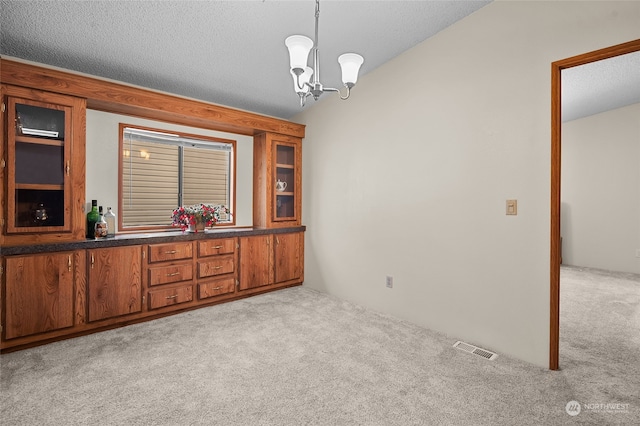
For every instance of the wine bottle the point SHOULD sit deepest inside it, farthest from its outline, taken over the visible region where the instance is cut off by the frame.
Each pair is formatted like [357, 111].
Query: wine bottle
[92, 217]
[110, 217]
[101, 225]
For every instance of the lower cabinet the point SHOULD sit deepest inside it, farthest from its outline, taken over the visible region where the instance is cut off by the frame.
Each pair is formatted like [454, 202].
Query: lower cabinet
[210, 289]
[50, 296]
[39, 293]
[169, 275]
[271, 259]
[114, 282]
[216, 265]
[288, 257]
[170, 296]
[255, 261]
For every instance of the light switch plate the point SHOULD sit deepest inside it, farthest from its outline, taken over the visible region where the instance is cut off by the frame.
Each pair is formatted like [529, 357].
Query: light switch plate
[512, 207]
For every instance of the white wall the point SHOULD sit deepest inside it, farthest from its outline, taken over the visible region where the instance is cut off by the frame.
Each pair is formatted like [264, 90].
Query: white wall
[102, 161]
[409, 177]
[601, 190]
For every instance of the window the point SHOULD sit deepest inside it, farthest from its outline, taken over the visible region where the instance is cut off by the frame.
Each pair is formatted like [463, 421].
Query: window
[163, 170]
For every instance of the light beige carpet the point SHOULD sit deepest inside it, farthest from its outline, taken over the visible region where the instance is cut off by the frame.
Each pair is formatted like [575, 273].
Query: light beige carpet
[299, 357]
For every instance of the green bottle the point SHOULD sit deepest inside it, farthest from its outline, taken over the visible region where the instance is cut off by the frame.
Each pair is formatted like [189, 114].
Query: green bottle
[92, 217]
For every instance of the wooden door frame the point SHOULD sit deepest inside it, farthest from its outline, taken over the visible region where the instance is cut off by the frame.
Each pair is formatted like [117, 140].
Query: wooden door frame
[556, 145]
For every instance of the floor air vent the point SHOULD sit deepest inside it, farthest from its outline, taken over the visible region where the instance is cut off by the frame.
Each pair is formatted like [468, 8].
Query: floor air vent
[475, 350]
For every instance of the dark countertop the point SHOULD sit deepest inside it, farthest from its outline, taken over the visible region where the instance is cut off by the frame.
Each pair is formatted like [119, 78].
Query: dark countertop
[145, 238]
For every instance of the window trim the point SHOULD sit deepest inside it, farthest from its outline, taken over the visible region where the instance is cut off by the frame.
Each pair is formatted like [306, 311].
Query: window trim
[159, 228]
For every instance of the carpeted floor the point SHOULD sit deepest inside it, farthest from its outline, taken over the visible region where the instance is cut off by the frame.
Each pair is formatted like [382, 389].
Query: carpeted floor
[299, 357]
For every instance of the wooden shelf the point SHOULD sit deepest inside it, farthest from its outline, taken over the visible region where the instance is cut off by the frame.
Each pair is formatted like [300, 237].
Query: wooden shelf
[286, 194]
[285, 166]
[39, 141]
[40, 187]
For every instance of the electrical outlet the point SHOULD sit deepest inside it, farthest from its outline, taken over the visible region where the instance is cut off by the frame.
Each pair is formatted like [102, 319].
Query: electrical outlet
[389, 281]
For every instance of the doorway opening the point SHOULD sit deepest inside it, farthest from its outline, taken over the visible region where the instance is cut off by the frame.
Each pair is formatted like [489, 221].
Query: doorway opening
[556, 144]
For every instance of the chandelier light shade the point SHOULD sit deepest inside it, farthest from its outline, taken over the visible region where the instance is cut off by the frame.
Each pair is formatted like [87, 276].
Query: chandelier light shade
[299, 48]
[350, 64]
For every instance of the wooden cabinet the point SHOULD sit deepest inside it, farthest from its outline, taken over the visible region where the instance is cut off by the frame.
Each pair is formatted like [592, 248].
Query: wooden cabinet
[256, 259]
[217, 273]
[271, 259]
[170, 251]
[277, 180]
[170, 274]
[100, 284]
[43, 167]
[114, 282]
[289, 257]
[39, 293]
[170, 296]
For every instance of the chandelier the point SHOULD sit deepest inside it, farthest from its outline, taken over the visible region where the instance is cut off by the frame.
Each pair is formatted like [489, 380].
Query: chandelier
[299, 47]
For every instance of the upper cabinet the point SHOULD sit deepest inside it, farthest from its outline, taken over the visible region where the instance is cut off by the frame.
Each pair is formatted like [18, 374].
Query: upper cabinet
[43, 167]
[277, 179]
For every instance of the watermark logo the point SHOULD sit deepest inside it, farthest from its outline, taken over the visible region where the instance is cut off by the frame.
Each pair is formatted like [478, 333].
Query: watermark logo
[573, 408]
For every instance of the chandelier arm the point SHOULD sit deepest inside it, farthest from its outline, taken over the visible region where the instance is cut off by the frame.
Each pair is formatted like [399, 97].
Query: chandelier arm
[298, 82]
[331, 89]
[344, 98]
[304, 85]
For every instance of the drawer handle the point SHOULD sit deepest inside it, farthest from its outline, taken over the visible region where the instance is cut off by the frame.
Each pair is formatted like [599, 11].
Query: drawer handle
[217, 267]
[173, 274]
[218, 288]
[171, 252]
[175, 296]
[216, 247]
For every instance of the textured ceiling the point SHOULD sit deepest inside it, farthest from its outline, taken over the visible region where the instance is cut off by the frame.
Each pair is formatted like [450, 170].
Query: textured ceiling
[227, 52]
[600, 86]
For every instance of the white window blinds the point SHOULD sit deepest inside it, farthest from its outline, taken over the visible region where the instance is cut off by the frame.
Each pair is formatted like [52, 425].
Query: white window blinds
[161, 171]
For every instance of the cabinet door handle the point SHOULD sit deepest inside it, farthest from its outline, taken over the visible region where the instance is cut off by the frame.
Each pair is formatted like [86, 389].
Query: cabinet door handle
[67, 168]
[171, 252]
[175, 296]
[277, 241]
[93, 260]
[173, 274]
[69, 263]
[2, 163]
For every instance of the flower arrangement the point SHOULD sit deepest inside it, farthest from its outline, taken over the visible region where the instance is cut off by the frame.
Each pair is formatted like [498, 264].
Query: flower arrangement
[207, 214]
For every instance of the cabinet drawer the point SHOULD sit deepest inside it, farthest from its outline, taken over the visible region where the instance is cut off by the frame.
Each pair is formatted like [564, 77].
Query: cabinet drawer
[216, 247]
[170, 274]
[215, 266]
[172, 251]
[216, 288]
[168, 297]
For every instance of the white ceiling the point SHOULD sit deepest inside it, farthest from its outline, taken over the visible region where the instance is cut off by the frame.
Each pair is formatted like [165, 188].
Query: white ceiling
[600, 86]
[229, 52]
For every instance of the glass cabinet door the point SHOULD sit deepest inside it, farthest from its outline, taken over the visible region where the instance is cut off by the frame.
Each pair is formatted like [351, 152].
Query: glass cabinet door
[284, 207]
[38, 152]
